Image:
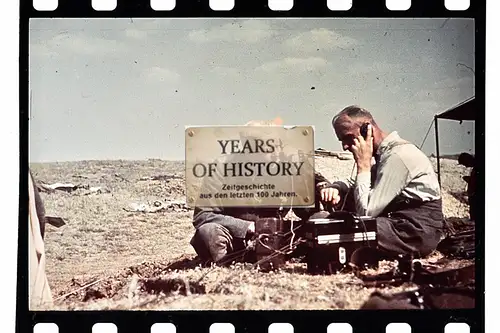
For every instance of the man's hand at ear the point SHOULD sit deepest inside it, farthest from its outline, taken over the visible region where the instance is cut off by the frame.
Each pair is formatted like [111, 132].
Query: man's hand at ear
[363, 151]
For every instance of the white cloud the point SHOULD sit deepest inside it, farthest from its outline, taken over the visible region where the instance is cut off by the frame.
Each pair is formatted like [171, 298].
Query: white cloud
[161, 74]
[430, 105]
[251, 31]
[444, 94]
[334, 107]
[96, 46]
[320, 39]
[377, 67]
[79, 44]
[41, 50]
[142, 29]
[310, 64]
[136, 33]
[225, 71]
[454, 88]
[453, 83]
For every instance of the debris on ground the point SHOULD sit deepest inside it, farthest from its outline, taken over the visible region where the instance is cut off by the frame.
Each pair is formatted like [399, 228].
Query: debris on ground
[96, 190]
[117, 175]
[158, 206]
[55, 221]
[338, 154]
[50, 188]
[79, 189]
[161, 177]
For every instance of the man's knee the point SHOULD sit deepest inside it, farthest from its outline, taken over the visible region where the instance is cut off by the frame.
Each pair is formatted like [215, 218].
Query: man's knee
[402, 237]
[206, 232]
[210, 233]
[211, 241]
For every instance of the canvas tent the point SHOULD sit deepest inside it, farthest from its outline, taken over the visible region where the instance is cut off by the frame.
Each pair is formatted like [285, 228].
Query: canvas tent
[463, 111]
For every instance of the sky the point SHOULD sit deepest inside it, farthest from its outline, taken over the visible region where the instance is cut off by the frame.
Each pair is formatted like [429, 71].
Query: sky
[126, 88]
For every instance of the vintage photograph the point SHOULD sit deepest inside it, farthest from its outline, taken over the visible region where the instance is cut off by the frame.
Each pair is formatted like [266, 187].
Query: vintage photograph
[252, 164]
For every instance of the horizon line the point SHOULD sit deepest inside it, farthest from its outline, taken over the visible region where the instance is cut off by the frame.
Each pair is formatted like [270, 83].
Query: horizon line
[432, 155]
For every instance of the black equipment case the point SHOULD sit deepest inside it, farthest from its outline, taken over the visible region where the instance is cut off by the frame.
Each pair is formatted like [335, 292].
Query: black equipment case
[332, 240]
[273, 236]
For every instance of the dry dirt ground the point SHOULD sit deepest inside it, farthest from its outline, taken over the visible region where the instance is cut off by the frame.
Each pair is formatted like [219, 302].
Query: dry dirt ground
[140, 260]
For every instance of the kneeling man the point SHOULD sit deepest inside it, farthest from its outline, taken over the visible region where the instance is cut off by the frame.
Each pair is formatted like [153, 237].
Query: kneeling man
[222, 233]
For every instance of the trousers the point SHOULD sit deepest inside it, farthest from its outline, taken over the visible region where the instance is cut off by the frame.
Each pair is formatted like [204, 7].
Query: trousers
[408, 227]
[214, 243]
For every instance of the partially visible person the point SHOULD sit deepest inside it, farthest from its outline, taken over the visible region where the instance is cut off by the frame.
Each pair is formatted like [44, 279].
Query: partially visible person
[40, 207]
[400, 189]
[468, 161]
[40, 294]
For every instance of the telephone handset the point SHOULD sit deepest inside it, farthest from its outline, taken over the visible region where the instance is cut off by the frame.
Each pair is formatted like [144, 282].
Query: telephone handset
[364, 130]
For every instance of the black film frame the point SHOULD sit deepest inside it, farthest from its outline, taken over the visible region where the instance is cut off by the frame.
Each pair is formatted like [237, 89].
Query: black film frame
[248, 321]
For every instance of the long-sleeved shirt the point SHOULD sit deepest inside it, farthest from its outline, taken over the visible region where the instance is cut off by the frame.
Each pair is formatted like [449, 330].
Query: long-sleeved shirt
[401, 170]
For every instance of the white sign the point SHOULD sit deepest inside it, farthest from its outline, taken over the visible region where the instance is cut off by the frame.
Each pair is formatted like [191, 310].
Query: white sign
[257, 166]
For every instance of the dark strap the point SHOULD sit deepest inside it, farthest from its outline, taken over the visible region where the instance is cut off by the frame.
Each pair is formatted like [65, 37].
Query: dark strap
[424, 298]
[444, 277]
[459, 245]
[418, 273]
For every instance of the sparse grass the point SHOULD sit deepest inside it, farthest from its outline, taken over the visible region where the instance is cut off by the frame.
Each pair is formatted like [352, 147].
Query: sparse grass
[102, 240]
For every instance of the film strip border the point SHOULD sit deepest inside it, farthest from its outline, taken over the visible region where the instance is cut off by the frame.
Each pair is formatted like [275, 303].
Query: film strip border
[336, 321]
[274, 5]
[273, 328]
[261, 8]
[444, 321]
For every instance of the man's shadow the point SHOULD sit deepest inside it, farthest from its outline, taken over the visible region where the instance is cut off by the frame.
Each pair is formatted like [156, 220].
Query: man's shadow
[185, 263]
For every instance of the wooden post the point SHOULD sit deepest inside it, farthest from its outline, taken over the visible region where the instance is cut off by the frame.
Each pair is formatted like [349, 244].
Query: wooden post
[437, 149]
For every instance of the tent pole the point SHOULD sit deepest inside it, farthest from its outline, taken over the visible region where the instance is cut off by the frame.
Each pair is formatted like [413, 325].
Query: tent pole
[437, 149]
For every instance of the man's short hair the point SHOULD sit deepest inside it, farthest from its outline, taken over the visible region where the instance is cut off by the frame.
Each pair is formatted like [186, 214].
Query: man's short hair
[354, 111]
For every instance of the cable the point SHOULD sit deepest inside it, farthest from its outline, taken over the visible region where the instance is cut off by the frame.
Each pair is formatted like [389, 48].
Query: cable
[255, 265]
[428, 131]
[349, 189]
[292, 217]
[365, 233]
